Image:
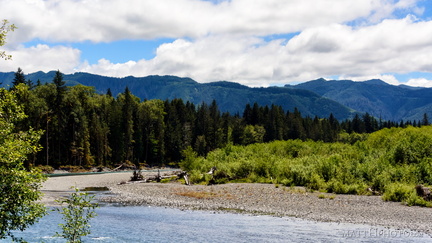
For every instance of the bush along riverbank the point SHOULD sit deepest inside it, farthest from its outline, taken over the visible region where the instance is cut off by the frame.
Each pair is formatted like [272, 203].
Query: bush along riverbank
[389, 162]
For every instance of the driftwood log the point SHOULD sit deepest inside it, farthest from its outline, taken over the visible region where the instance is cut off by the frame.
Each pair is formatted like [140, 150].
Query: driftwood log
[424, 192]
[212, 170]
[138, 177]
[124, 167]
[185, 175]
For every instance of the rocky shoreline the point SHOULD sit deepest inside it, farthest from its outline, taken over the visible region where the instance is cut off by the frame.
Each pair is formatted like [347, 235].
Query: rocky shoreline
[252, 199]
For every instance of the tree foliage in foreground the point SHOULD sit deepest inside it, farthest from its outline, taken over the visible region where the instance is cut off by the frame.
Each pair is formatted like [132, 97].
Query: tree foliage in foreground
[390, 162]
[5, 27]
[19, 186]
[77, 213]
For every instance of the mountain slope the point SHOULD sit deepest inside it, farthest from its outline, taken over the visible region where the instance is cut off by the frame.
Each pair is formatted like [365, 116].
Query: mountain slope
[231, 97]
[375, 97]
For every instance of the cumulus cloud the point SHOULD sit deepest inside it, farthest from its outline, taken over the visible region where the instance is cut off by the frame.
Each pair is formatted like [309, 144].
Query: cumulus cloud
[392, 46]
[226, 40]
[420, 82]
[42, 58]
[104, 21]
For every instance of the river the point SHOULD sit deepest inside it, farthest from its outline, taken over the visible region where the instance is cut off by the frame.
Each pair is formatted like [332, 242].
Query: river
[157, 224]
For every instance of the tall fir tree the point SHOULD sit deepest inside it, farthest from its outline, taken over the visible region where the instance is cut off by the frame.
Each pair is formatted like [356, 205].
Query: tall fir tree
[127, 125]
[60, 120]
[19, 78]
[425, 121]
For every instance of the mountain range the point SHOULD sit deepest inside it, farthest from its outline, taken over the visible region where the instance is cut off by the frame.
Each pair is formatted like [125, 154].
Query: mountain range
[318, 97]
[376, 97]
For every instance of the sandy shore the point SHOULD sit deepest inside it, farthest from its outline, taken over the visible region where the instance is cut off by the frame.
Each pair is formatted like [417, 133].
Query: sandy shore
[251, 198]
[56, 187]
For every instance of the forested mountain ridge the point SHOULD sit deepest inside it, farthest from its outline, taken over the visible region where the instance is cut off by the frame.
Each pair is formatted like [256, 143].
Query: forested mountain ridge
[230, 97]
[80, 127]
[317, 97]
[376, 97]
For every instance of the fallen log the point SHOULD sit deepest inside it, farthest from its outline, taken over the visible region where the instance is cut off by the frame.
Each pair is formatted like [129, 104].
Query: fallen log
[124, 167]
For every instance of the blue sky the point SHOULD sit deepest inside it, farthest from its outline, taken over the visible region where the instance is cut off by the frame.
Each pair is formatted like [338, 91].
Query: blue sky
[256, 43]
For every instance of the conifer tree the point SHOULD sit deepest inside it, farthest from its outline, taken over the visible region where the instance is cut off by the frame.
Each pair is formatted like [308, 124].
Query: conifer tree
[127, 126]
[425, 121]
[59, 121]
[18, 79]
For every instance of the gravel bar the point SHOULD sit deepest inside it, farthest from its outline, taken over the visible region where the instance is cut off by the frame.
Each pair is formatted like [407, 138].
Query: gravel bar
[250, 198]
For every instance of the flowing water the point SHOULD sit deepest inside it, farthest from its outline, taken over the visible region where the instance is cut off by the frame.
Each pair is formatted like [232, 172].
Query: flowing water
[157, 224]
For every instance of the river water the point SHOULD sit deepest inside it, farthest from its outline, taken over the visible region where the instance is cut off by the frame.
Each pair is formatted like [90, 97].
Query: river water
[157, 224]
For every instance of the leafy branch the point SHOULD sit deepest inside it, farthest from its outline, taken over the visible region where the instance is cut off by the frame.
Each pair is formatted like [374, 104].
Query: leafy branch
[4, 29]
[77, 215]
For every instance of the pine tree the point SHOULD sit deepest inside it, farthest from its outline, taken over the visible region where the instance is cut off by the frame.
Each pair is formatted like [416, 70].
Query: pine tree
[425, 121]
[202, 129]
[60, 119]
[128, 125]
[109, 93]
[358, 124]
[215, 136]
[18, 79]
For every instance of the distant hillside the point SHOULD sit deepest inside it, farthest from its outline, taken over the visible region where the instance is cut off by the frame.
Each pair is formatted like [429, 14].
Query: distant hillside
[376, 97]
[231, 97]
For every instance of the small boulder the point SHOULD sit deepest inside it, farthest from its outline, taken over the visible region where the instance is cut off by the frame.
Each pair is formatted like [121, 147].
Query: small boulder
[424, 192]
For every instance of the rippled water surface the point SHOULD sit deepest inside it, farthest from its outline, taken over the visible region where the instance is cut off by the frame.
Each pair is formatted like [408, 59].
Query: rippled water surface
[155, 224]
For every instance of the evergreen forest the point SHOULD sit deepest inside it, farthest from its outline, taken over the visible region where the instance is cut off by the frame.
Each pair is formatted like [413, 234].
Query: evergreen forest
[84, 128]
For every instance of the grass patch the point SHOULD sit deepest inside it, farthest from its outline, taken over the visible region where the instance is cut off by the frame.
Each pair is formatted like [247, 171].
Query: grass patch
[171, 179]
[295, 190]
[203, 194]
[324, 196]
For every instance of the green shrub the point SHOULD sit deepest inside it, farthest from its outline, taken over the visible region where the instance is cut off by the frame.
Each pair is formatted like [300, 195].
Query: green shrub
[327, 168]
[398, 192]
[316, 183]
[190, 157]
[380, 161]
[414, 200]
[195, 177]
[46, 169]
[424, 171]
[241, 169]
[287, 182]
[299, 175]
[338, 187]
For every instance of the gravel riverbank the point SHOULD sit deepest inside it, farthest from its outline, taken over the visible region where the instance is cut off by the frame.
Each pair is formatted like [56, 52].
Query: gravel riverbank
[251, 198]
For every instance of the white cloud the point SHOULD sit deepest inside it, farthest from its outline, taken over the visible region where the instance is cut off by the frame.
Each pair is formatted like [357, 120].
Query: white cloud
[248, 60]
[42, 58]
[108, 20]
[392, 46]
[419, 82]
[223, 40]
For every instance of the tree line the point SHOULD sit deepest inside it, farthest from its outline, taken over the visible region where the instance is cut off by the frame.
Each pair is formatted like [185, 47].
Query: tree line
[84, 128]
